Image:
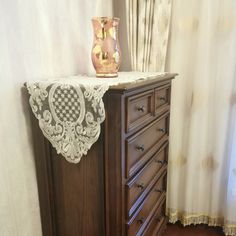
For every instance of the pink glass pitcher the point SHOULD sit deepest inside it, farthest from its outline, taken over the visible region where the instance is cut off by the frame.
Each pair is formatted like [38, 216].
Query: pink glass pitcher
[106, 55]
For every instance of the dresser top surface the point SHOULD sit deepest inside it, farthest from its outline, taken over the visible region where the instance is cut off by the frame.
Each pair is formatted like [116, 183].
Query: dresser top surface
[153, 78]
[124, 82]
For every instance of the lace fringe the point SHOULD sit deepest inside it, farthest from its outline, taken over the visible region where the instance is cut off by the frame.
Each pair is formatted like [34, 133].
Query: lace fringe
[230, 230]
[188, 219]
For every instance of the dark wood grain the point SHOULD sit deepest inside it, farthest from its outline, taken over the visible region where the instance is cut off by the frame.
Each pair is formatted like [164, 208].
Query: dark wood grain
[79, 195]
[114, 164]
[158, 221]
[42, 155]
[140, 185]
[199, 230]
[160, 80]
[71, 195]
[144, 144]
[139, 109]
[141, 218]
[162, 99]
[90, 198]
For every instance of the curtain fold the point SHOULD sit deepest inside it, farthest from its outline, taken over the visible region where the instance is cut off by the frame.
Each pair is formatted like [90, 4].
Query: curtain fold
[148, 29]
[202, 46]
[202, 178]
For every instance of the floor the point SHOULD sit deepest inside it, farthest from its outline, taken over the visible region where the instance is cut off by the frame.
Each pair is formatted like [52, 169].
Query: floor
[200, 230]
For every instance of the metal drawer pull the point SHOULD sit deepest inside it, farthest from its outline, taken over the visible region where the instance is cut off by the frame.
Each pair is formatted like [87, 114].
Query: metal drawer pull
[141, 220]
[162, 162]
[158, 218]
[142, 108]
[161, 130]
[141, 186]
[162, 99]
[140, 148]
[159, 190]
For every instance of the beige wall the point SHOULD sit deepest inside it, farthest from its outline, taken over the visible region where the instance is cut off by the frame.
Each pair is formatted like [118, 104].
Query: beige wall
[38, 39]
[119, 9]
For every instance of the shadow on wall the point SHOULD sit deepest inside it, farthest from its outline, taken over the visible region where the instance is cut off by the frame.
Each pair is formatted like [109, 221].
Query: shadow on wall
[230, 153]
[119, 9]
[26, 113]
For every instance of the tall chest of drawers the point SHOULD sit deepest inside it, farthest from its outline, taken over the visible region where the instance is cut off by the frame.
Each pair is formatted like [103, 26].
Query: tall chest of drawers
[119, 187]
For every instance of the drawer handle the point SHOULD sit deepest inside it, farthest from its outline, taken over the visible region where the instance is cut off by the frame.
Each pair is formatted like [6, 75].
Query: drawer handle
[162, 130]
[141, 186]
[158, 218]
[162, 99]
[142, 108]
[141, 220]
[140, 148]
[159, 190]
[162, 162]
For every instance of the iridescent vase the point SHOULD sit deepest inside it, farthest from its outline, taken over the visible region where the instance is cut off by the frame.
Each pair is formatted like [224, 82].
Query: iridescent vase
[106, 50]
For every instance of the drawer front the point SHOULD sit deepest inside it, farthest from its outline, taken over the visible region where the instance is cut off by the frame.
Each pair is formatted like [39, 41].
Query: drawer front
[162, 99]
[155, 225]
[145, 212]
[141, 146]
[137, 188]
[139, 109]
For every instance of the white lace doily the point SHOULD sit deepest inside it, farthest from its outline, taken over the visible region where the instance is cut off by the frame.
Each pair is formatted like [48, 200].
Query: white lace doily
[70, 110]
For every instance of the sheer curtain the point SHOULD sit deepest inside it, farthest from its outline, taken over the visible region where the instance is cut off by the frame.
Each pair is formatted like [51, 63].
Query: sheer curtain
[148, 30]
[38, 39]
[202, 164]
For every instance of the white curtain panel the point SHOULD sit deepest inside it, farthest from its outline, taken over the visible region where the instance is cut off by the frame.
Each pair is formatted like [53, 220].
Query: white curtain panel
[202, 164]
[148, 29]
[39, 39]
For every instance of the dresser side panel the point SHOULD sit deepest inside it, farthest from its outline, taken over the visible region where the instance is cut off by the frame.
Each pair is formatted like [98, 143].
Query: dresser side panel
[114, 187]
[79, 193]
[44, 179]
[71, 195]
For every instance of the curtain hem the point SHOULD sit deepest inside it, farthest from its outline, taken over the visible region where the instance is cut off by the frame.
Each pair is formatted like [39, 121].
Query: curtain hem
[188, 219]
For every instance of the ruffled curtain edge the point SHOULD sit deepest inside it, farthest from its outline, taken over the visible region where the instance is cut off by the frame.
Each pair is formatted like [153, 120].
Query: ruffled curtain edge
[229, 228]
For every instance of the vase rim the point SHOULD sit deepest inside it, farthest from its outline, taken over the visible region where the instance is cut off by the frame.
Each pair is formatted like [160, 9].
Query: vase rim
[105, 17]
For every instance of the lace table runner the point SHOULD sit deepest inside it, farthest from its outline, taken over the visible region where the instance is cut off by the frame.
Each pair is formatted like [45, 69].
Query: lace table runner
[70, 110]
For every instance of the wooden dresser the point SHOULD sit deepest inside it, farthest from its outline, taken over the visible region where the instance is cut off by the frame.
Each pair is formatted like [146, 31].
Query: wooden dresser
[119, 187]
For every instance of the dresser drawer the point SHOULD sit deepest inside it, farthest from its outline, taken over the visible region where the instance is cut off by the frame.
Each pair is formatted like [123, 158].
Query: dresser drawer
[141, 146]
[154, 227]
[139, 109]
[139, 186]
[162, 99]
[140, 220]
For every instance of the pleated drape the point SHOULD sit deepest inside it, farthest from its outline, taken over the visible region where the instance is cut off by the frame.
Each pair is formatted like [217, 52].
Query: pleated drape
[148, 30]
[202, 161]
[202, 49]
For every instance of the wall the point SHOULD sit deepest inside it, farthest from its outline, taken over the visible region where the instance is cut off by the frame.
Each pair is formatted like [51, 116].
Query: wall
[119, 9]
[38, 40]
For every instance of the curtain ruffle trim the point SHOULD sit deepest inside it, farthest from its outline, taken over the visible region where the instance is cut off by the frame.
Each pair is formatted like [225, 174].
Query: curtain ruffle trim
[189, 218]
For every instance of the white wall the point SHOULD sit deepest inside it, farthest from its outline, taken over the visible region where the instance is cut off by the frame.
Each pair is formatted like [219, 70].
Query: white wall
[38, 39]
[120, 11]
